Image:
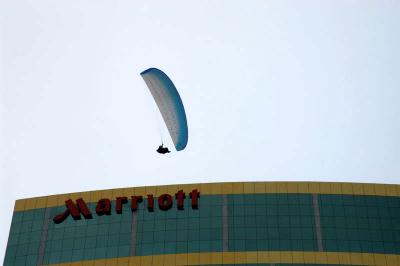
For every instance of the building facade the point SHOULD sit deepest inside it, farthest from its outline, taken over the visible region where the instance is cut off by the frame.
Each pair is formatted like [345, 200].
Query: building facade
[259, 223]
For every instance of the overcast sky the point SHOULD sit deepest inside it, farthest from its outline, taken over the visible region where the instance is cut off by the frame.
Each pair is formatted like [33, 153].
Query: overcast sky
[273, 90]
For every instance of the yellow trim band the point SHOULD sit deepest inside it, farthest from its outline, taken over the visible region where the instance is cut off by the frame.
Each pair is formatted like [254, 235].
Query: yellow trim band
[212, 258]
[215, 189]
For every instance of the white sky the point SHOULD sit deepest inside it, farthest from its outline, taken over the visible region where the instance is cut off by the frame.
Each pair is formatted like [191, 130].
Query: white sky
[273, 90]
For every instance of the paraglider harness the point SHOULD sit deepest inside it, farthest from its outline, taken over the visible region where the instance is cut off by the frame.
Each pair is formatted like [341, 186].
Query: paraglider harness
[163, 150]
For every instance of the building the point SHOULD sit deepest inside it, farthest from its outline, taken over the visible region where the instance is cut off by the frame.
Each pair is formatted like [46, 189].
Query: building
[260, 223]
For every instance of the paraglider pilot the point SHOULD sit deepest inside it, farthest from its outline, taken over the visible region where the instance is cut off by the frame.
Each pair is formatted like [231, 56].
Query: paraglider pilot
[163, 150]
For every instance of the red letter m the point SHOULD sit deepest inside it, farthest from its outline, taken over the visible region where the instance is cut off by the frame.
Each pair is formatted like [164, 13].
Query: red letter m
[74, 210]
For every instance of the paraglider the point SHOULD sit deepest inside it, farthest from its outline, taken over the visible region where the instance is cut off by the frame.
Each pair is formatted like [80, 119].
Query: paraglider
[163, 150]
[170, 105]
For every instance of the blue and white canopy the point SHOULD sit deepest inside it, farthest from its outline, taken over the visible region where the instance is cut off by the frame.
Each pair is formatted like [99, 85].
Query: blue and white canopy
[170, 104]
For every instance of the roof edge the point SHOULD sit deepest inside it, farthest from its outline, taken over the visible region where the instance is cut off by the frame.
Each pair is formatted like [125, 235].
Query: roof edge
[222, 188]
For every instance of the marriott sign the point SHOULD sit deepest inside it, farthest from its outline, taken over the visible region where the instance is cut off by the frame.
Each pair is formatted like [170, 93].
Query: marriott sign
[103, 207]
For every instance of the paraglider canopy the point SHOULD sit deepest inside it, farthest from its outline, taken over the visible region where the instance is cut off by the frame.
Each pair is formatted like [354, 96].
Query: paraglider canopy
[170, 105]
